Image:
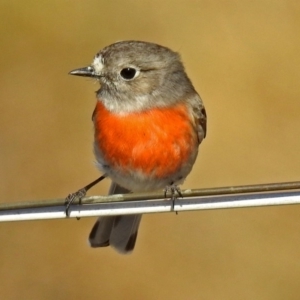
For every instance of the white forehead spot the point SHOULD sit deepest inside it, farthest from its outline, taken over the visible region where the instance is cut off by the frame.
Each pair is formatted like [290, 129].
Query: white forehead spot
[98, 64]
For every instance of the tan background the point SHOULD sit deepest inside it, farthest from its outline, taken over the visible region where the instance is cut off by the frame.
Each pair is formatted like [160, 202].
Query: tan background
[243, 58]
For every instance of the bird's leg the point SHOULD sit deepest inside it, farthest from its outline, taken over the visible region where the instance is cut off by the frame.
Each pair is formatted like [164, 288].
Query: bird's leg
[175, 191]
[80, 194]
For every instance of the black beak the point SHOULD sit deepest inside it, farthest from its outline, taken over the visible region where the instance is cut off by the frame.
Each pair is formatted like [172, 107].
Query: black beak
[87, 72]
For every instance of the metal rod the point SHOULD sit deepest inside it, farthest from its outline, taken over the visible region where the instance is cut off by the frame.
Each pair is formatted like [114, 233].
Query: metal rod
[215, 198]
[282, 186]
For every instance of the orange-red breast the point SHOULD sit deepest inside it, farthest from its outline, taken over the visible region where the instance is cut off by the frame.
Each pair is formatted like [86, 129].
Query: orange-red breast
[149, 122]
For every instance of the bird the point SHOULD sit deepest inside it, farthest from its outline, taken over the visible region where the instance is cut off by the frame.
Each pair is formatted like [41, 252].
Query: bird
[148, 124]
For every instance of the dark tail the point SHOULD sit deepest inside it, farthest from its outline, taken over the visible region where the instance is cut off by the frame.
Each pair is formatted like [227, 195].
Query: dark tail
[119, 232]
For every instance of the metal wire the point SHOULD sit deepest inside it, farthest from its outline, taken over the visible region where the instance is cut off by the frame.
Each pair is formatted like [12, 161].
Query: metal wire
[214, 198]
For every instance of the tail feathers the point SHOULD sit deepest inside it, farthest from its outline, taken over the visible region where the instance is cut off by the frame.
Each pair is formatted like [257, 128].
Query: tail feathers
[124, 232]
[119, 232]
[100, 234]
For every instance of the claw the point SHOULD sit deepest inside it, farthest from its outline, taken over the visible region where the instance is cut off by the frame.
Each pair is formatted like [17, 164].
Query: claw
[173, 189]
[80, 194]
[72, 197]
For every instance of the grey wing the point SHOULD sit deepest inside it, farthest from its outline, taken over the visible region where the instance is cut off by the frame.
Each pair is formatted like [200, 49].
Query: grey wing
[199, 116]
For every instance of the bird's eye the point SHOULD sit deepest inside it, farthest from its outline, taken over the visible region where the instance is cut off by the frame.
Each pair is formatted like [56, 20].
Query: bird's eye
[128, 73]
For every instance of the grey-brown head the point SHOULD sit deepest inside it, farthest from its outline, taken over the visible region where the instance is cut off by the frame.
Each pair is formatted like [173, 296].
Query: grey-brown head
[137, 76]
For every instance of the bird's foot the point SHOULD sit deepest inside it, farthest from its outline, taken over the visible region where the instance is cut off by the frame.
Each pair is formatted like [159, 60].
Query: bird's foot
[73, 197]
[174, 191]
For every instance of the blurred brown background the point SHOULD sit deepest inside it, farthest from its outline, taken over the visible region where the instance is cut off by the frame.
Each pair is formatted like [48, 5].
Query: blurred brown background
[243, 58]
